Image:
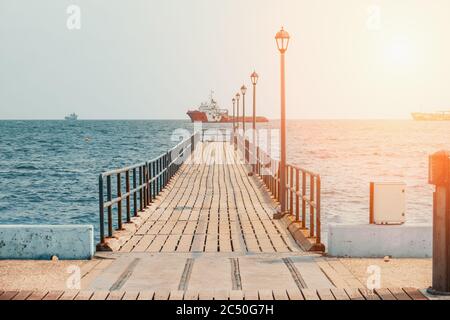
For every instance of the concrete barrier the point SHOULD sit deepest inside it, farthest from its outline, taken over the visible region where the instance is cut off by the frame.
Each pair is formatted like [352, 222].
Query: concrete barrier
[41, 242]
[375, 241]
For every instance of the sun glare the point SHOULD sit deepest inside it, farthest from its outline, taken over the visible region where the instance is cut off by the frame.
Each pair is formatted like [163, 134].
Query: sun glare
[399, 52]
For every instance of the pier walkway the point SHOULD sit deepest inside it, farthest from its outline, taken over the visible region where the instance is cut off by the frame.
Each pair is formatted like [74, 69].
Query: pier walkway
[208, 234]
[212, 229]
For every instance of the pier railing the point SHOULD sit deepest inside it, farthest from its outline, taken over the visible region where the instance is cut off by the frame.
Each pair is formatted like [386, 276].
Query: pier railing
[135, 187]
[303, 187]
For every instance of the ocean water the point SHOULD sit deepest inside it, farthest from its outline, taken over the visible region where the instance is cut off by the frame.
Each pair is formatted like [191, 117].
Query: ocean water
[49, 169]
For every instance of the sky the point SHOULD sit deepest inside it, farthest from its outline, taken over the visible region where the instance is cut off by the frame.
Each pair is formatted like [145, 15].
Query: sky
[148, 59]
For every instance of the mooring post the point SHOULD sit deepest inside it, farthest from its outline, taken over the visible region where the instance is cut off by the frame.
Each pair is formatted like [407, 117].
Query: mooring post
[439, 175]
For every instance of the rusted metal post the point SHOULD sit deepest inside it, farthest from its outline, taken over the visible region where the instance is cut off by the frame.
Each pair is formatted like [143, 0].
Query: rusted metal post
[119, 202]
[311, 206]
[135, 193]
[291, 188]
[140, 189]
[303, 200]
[318, 218]
[127, 189]
[101, 209]
[109, 198]
[297, 196]
[439, 175]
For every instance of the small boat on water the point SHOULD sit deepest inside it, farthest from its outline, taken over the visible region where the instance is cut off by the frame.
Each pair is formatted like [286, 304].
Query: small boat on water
[71, 117]
[210, 112]
[437, 116]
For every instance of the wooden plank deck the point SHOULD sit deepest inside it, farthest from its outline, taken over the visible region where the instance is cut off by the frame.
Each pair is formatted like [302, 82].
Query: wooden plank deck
[212, 206]
[211, 235]
[301, 294]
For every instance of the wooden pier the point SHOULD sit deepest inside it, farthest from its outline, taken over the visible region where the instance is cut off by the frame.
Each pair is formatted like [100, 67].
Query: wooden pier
[204, 229]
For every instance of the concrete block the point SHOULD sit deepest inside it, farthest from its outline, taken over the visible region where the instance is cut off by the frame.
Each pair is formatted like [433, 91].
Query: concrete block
[375, 241]
[41, 242]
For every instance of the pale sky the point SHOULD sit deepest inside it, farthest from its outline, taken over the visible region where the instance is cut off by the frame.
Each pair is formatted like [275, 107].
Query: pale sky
[148, 59]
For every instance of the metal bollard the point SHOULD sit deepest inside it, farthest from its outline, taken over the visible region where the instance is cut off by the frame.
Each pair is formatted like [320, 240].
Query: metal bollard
[439, 175]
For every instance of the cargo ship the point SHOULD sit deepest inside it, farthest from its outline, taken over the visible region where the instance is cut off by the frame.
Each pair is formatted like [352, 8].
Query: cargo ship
[210, 112]
[437, 116]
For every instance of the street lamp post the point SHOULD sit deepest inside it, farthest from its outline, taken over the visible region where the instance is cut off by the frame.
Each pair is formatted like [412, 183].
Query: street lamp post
[243, 91]
[254, 77]
[234, 119]
[238, 96]
[282, 39]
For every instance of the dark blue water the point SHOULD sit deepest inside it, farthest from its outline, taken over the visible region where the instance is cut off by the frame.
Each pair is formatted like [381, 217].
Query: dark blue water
[49, 169]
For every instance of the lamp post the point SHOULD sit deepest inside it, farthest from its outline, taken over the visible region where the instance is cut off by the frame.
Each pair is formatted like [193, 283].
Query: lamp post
[254, 77]
[282, 39]
[234, 117]
[243, 91]
[238, 96]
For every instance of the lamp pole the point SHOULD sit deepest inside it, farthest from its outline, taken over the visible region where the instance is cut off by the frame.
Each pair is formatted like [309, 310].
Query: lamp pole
[234, 117]
[243, 91]
[238, 96]
[254, 77]
[282, 39]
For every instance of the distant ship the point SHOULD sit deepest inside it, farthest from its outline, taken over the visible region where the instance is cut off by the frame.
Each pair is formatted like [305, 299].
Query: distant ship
[437, 116]
[211, 113]
[71, 117]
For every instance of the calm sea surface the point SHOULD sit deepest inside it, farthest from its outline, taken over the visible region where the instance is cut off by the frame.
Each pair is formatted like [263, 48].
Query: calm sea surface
[49, 169]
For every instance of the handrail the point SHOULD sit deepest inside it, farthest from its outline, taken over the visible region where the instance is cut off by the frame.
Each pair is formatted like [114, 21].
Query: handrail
[303, 187]
[142, 183]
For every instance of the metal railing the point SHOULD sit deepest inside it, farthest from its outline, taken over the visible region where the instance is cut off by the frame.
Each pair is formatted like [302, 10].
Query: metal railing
[303, 187]
[141, 184]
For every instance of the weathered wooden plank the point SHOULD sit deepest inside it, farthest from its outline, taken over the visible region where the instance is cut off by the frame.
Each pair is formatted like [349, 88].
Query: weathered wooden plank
[22, 295]
[310, 294]
[130, 295]
[100, 295]
[265, 295]
[146, 295]
[251, 295]
[385, 294]
[369, 294]
[176, 295]
[279, 294]
[162, 294]
[399, 294]
[84, 295]
[191, 295]
[325, 294]
[354, 294]
[69, 295]
[236, 295]
[115, 295]
[295, 294]
[415, 294]
[339, 294]
[53, 295]
[8, 295]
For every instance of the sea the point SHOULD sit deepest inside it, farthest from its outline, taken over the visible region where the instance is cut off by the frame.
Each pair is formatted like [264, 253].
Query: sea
[49, 169]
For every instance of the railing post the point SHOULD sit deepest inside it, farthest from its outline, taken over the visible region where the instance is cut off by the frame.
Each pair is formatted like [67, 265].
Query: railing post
[297, 196]
[109, 197]
[311, 205]
[101, 209]
[303, 200]
[318, 218]
[155, 174]
[144, 185]
[135, 193]
[149, 185]
[291, 188]
[119, 203]
[127, 188]
[140, 189]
